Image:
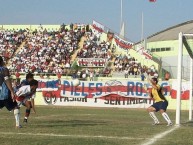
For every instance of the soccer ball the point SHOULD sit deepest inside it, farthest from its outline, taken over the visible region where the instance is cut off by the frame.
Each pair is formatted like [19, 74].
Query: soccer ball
[83, 76]
[76, 82]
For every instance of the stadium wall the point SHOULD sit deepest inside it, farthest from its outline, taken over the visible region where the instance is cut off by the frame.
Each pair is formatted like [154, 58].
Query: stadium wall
[173, 44]
[114, 93]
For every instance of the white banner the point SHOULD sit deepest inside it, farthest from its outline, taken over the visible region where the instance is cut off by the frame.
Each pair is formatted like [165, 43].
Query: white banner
[122, 43]
[91, 62]
[97, 26]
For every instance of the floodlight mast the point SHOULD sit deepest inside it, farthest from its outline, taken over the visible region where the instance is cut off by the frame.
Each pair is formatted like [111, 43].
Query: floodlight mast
[121, 21]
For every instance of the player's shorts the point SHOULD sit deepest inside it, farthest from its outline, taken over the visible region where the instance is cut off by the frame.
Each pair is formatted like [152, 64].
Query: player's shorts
[8, 103]
[160, 105]
[21, 100]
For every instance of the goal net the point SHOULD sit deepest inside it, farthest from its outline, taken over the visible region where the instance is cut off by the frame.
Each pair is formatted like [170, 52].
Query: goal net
[185, 45]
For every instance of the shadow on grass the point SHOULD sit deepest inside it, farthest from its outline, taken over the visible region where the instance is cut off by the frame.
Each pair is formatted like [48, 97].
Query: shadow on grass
[71, 123]
[188, 123]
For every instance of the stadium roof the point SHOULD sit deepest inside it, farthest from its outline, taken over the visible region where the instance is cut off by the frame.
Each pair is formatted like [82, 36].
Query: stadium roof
[172, 33]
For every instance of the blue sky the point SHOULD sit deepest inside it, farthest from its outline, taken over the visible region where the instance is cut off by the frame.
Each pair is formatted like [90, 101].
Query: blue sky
[157, 16]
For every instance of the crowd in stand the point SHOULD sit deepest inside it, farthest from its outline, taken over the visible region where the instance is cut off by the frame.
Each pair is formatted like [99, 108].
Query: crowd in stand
[42, 51]
[9, 41]
[46, 52]
[130, 66]
[94, 48]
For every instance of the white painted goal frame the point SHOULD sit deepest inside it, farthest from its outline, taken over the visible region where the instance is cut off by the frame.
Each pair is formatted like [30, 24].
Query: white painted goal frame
[179, 80]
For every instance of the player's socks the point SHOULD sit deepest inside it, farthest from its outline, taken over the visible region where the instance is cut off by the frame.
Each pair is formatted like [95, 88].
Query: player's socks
[18, 126]
[155, 119]
[166, 117]
[27, 112]
[17, 117]
[25, 119]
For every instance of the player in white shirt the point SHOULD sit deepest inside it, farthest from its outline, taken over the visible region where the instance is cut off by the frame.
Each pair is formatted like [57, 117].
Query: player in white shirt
[25, 96]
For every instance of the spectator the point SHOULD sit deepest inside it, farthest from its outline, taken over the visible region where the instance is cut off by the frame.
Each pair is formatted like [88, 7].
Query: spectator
[167, 76]
[142, 77]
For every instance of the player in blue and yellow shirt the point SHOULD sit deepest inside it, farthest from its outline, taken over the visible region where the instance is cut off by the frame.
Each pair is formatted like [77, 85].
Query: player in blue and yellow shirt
[160, 103]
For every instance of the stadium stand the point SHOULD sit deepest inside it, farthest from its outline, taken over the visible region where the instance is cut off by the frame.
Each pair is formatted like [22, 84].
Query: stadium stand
[49, 51]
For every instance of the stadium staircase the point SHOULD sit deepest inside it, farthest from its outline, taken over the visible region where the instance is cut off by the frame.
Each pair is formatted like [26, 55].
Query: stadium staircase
[80, 46]
[18, 49]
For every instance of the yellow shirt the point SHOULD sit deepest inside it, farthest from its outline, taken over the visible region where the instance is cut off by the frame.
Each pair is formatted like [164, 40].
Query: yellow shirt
[156, 95]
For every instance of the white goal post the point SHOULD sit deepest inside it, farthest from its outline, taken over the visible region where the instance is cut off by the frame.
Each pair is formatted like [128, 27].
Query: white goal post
[179, 80]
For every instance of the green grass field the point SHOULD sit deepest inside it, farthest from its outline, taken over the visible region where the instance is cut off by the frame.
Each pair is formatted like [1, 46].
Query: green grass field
[53, 125]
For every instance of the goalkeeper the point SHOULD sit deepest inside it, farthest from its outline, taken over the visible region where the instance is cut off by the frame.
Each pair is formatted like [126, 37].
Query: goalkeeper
[160, 103]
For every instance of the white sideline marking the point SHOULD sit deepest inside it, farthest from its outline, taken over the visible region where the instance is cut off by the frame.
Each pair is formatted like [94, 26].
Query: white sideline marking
[74, 136]
[159, 136]
[39, 117]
